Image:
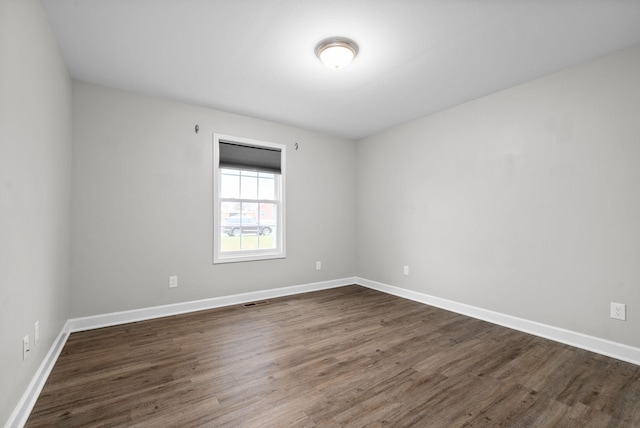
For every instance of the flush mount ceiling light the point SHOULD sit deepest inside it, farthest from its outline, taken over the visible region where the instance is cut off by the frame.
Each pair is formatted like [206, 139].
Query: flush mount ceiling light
[336, 52]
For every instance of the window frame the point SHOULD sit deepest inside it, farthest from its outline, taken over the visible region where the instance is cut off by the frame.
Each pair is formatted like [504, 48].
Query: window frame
[279, 252]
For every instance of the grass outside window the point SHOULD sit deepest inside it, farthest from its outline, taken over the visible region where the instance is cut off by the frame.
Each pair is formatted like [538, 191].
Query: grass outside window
[249, 242]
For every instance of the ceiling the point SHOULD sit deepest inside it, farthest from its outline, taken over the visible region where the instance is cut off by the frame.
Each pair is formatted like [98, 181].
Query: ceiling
[256, 57]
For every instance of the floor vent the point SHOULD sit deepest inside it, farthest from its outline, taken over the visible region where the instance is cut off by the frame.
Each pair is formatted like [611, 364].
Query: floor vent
[253, 304]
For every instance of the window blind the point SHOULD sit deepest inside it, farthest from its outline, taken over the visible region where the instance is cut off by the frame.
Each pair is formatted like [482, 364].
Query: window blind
[240, 156]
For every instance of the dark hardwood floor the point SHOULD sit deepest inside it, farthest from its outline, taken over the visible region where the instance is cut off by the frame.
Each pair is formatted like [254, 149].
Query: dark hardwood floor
[343, 357]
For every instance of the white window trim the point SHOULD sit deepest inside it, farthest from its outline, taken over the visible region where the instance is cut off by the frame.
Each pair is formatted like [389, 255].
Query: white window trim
[247, 255]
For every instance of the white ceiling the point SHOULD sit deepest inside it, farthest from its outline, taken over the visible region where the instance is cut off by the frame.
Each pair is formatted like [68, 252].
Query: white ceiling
[256, 57]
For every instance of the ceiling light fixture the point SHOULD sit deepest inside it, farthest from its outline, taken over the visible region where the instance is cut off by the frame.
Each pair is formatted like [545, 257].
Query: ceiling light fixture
[336, 52]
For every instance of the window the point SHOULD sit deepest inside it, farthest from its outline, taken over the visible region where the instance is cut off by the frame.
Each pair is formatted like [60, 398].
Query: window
[248, 197]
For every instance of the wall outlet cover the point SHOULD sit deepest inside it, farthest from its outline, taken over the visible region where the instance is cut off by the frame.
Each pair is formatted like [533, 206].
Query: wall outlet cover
[619, 311]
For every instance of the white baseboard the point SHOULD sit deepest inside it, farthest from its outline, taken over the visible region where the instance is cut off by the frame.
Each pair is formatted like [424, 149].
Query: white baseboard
[601, 346]
[616, 350]
[116, 318]
[22, 411]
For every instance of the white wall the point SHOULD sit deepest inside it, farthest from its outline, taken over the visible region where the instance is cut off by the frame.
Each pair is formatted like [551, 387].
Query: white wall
[524, 202]
[142, 204]
[35, 162]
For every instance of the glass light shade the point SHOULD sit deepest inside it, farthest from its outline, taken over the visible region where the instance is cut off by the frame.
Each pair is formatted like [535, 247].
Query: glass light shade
[337, 52]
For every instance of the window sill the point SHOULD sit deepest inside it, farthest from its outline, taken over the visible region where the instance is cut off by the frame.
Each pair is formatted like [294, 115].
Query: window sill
[237, 257]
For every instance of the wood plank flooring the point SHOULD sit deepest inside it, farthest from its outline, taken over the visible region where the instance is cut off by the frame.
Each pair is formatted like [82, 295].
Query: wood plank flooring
[346, 357]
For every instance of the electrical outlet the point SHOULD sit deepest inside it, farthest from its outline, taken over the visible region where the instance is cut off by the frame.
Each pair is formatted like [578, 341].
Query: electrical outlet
[173, 281]
[318, 265]
[25, 347]
[619, 311]
[36, 333]
[406, 270]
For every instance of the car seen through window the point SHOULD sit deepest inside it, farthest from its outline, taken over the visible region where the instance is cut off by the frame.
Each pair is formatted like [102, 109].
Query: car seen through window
[237, 225]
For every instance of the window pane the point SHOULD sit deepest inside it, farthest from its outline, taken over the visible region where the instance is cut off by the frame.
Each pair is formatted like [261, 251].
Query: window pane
[230, 226]
[250, 212]
[249, 185]
[229, 210]
[267, 217]
[267, 214]
[266, 187]
[230, 183]
[229, 243]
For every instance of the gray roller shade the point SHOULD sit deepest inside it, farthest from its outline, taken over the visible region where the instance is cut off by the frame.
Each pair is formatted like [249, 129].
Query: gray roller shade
[239, 156]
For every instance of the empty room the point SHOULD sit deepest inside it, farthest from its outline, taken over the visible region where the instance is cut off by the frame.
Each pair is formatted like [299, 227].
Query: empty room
[332, 213]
